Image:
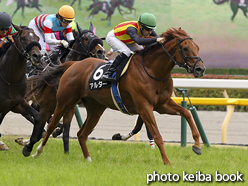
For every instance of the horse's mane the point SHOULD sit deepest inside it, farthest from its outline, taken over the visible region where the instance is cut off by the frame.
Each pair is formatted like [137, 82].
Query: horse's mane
[169, 35]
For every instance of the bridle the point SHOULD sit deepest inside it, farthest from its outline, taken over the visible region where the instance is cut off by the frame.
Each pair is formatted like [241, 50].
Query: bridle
[85, 48]
[24, 50]
[184, 59]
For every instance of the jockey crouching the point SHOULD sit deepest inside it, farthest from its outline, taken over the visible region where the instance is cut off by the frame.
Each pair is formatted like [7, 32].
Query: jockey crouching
[128, 37]
[46, 24]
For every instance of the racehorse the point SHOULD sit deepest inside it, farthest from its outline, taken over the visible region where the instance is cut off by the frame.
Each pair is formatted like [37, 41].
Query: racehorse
[145, 87]
[13, 58]
[127, 4]
[235, 6]
[31, 4]
[86, 44]
[109, 8]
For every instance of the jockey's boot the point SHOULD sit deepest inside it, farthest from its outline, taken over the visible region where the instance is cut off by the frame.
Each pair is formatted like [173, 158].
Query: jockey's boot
[107, 76]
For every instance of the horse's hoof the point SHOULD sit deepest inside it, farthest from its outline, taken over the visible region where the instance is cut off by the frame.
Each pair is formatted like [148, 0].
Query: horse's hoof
[3, 146]
[19, 141]
[25, 151]
[88, 159]
[116, 137]
[196, 150]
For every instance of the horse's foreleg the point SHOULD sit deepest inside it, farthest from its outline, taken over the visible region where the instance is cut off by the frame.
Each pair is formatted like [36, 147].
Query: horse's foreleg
[172, 108]
[18, 7]
[94, 112]
[146, 113]
[25, 109]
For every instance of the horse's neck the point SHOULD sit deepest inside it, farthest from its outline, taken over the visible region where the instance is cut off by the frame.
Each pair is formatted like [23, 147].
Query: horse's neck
[159, 62]
[75, 56]
[13, 65]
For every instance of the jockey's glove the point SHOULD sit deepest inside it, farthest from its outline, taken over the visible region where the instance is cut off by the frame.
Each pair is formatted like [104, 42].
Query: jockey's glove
[160, 40]
[64, 43]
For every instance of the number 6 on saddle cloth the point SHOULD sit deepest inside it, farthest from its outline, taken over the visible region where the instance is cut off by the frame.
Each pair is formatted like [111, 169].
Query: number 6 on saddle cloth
[96, 83]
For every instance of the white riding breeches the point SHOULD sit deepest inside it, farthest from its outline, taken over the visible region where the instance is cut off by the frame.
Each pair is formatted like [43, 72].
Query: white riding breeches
[120, 47]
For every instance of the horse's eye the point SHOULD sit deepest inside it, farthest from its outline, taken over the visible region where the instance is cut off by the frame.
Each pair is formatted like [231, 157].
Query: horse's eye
[86, 39]
[185, 49]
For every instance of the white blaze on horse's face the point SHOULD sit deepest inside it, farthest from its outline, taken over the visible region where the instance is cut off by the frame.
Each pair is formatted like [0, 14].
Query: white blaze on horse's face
[101, 47]
[31, 34]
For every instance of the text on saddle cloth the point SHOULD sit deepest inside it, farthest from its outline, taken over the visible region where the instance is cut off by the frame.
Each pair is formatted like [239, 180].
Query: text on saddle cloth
[96, 83]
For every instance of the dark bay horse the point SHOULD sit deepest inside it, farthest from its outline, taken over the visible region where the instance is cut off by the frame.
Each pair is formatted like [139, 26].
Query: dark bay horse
[31, 4]
[109, 8]
[43, 92]
[13, 62]
[145, 87]
[235, 6]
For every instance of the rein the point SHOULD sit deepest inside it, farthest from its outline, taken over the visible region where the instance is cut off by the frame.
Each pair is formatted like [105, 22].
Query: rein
[184, 58]
[85, 48]
[25, 51]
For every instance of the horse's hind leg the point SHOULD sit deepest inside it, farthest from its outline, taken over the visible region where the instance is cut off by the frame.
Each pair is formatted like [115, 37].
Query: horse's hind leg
[94, 112]
[66, 125]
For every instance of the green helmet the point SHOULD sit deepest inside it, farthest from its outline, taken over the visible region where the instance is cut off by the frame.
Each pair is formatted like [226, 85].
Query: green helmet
[148, 20]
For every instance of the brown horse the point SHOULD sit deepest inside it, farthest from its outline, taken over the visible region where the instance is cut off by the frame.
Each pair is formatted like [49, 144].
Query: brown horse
[30, 4]
[43, 92]
[145, 87]
[13, 62]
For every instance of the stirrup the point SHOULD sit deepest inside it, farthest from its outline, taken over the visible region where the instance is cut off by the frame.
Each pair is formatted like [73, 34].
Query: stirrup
[105, 77]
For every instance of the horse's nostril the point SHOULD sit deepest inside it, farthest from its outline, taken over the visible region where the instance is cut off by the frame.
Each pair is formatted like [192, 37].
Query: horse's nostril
[199, 69]
[99, 52]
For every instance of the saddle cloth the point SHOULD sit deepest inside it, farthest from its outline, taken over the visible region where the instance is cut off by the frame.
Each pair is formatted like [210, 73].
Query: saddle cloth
[96, 83]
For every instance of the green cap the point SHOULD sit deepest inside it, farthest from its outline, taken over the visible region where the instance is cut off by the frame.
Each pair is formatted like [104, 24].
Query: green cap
[148, 20]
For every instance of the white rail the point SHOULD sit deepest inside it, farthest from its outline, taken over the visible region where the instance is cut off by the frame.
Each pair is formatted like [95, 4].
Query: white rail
[214, 84]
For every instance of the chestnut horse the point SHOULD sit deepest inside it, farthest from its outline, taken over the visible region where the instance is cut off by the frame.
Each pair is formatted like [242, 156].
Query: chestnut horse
[13, 62]
[145, 87]
[43, 92]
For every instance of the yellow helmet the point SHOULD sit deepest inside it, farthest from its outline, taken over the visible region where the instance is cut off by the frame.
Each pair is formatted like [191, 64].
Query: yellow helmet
[67, 12]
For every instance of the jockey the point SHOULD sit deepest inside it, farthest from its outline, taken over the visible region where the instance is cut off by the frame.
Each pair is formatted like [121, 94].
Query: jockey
[44, 25]
[6, 27]
[60, 35]
[128, 37]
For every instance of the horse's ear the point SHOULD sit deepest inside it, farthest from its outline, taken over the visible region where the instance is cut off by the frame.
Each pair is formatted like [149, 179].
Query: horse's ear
[91, 27]
[80, 30]
[17, 28]
[179, 28]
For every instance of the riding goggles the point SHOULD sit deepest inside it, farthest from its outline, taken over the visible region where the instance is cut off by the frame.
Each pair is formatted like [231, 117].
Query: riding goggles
[65, 21]
[4, 29]
[147, 29]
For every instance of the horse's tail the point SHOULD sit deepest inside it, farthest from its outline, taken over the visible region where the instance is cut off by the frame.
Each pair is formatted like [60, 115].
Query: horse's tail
[220, 2]
[36, 84]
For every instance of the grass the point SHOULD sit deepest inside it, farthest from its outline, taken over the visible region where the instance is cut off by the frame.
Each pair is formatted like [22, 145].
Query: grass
[122, 163]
